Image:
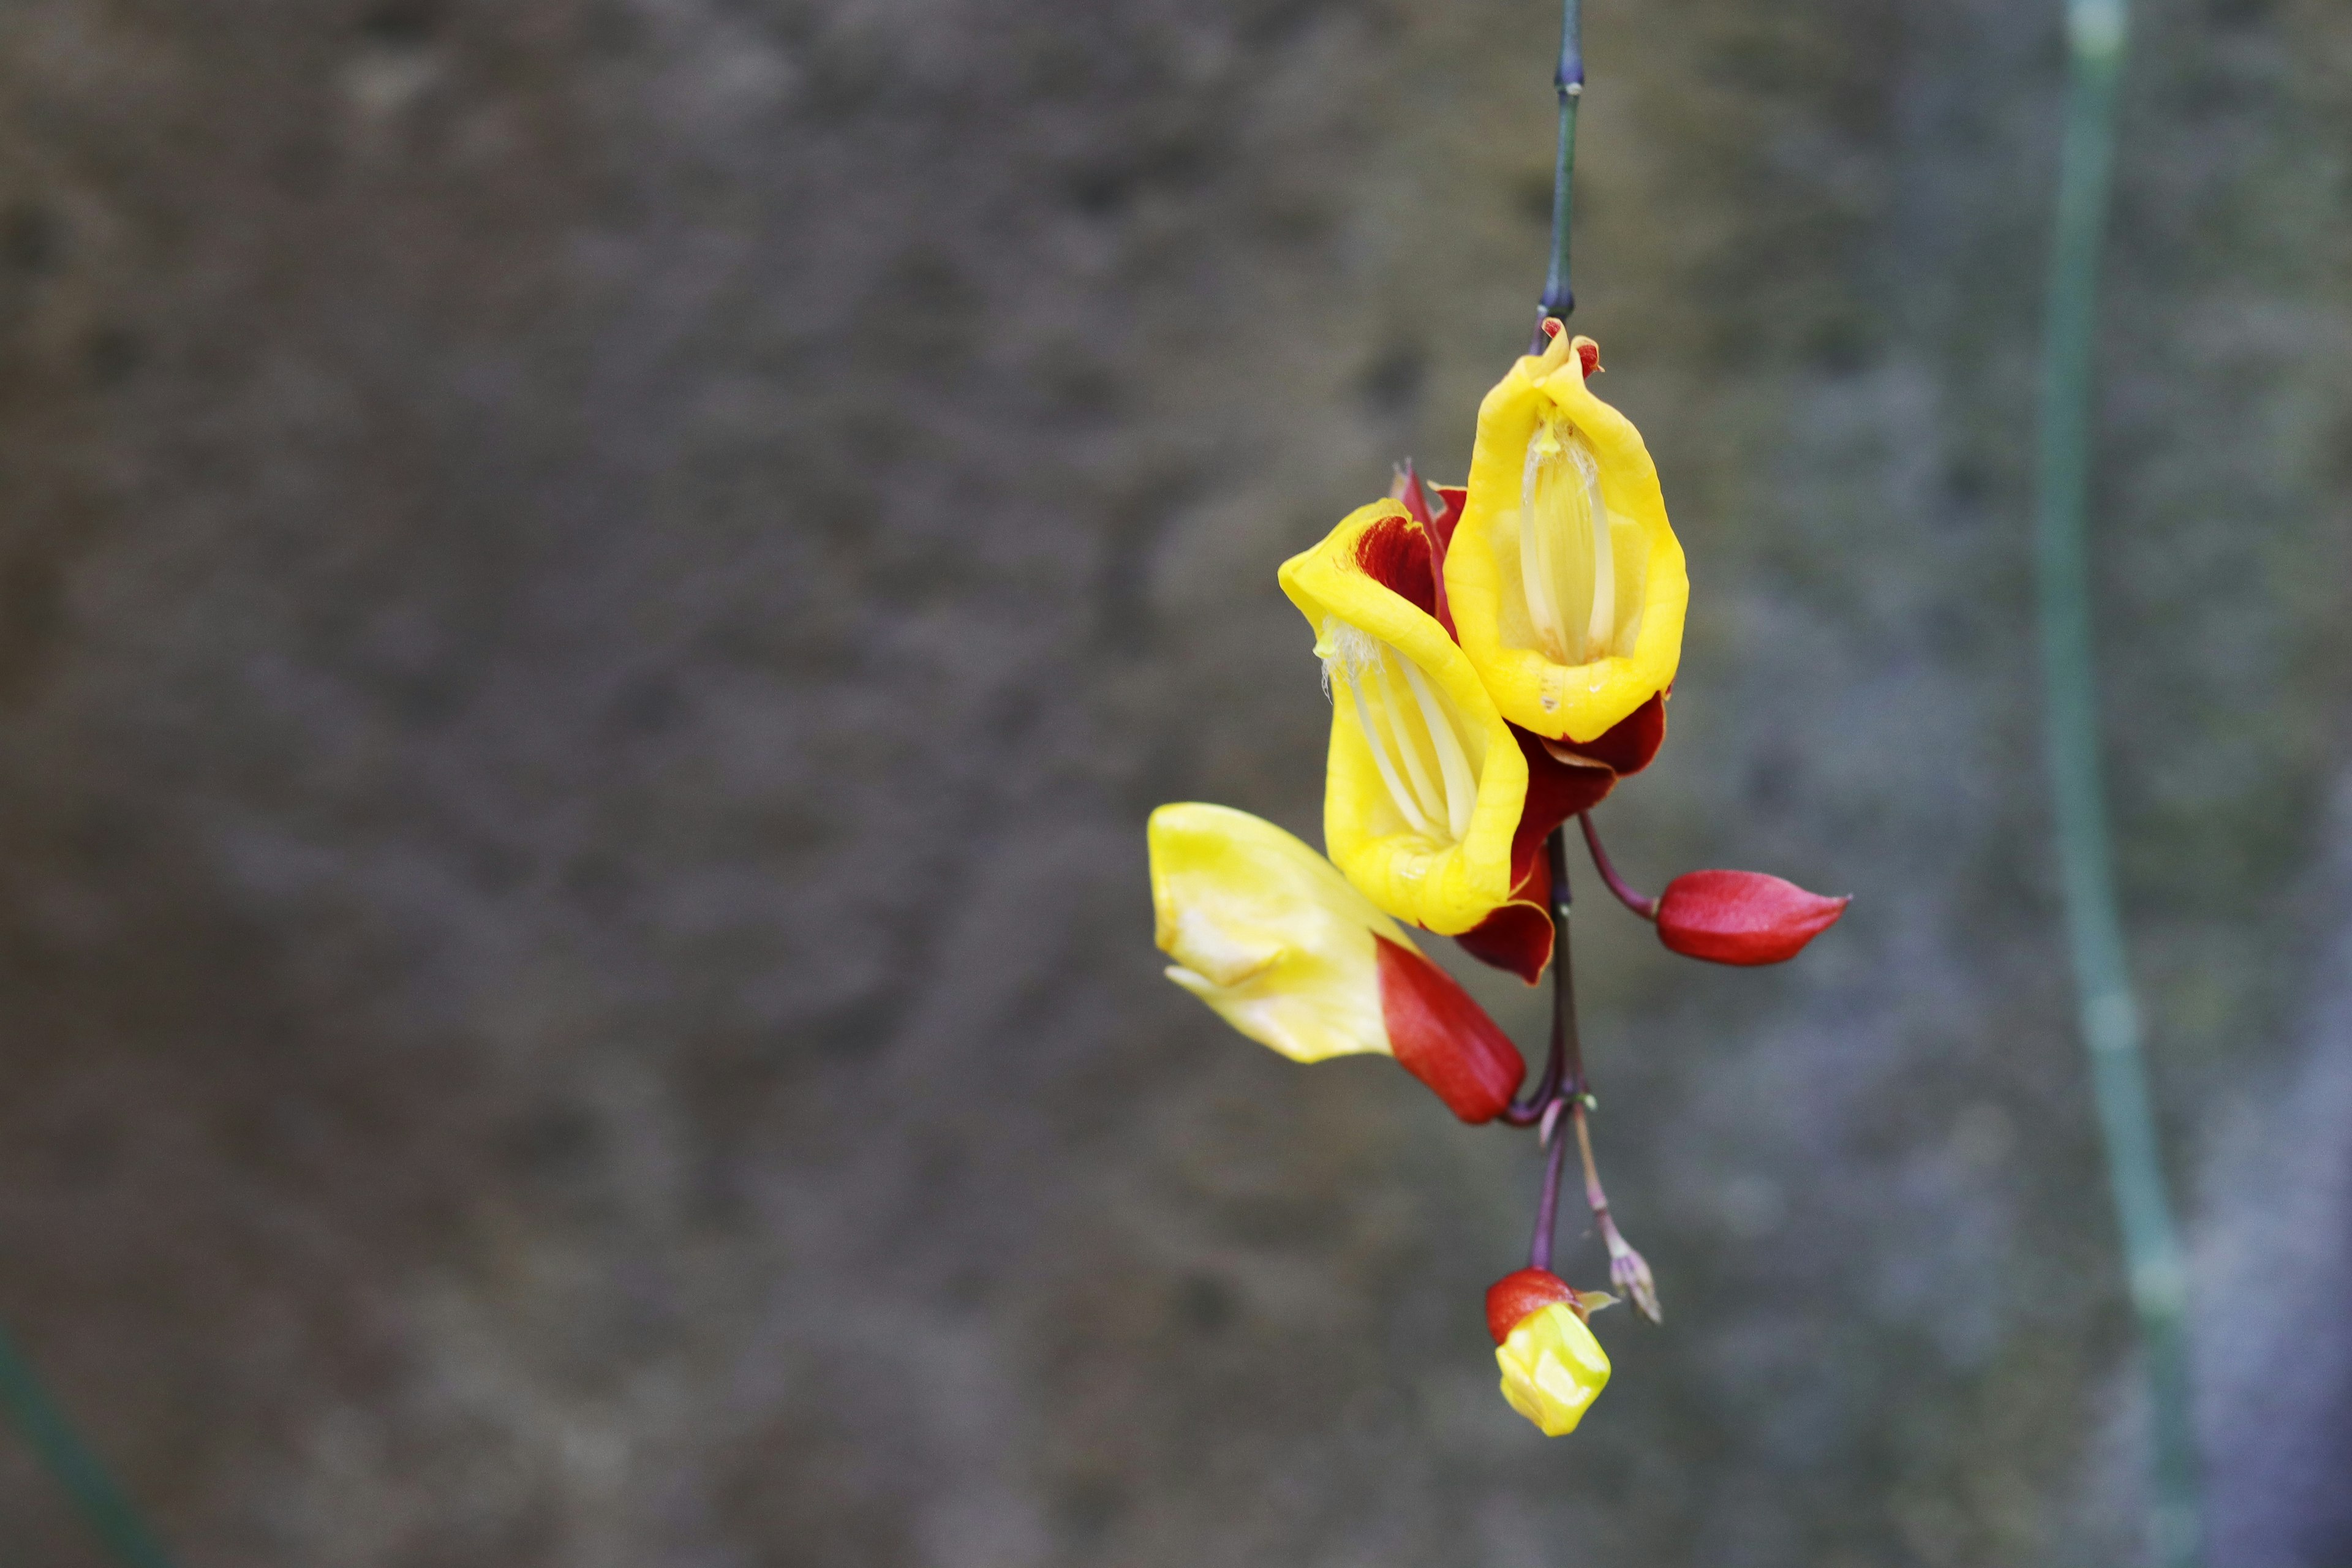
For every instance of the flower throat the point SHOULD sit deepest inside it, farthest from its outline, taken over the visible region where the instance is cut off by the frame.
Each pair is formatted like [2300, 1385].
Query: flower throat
[1568, 562]
[1415, 736]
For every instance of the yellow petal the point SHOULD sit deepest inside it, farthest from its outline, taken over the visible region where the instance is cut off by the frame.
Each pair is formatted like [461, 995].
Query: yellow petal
[1553, 1369]
[1425, 784]
[1267, 932]
[1538, 655]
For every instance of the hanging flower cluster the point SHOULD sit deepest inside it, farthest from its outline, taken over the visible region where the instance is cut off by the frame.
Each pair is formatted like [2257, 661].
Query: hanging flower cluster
[1498, 656]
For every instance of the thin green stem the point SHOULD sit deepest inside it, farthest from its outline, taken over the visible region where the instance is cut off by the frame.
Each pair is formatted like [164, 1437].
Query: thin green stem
[104, 1506]
[1559, 298]
[2109, 1016]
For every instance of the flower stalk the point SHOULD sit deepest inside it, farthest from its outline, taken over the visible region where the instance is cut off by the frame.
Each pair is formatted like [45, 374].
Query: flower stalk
[2109, 1016]
[1563, 1074]
[1647, 908]
[1628, 1270]
[1559, 298]
[1548, 1205]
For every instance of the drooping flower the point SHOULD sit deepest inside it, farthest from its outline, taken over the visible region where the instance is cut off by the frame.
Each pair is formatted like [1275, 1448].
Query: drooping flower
[1564, 579]
[1269, 934]
[1553, 1368]
[1425, 784]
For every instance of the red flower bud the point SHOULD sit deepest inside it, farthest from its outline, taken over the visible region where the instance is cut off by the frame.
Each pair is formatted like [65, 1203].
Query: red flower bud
[1514, 1296]
[1443, 1038]
[1741, 917]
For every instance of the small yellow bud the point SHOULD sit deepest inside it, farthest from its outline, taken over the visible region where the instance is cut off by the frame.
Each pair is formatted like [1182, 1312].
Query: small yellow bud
[1552, 1368]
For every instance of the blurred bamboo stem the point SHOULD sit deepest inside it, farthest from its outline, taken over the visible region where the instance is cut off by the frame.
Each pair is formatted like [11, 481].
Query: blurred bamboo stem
[104, 1506]
[2109, 1016]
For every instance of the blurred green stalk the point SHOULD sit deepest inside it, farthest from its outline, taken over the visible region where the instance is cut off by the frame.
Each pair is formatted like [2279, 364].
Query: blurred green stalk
[2110, 1018]
[1559, 298]
[44, 1427]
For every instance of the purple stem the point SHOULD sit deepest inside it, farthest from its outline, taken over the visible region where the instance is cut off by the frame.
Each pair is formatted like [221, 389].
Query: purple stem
[1564, 1067]
[1645, 907]
[1546, 1206]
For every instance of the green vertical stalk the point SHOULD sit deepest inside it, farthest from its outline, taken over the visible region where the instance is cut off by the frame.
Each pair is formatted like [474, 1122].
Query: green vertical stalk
[1559, 298]
[2109, 1016]
[103, 1505]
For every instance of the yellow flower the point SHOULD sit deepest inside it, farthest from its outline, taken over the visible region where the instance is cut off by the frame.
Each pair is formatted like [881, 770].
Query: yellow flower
[1425, 784]
[1565, 580]
[1270, 935]
[1553, 1369]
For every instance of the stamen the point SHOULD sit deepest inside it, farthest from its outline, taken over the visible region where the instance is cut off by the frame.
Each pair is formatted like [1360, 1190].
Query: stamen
[1603, 620]
[1412, 733]
[1568, 563]
[1397, 708]
[1354, 654]
[1534, 540]
[1461, 792]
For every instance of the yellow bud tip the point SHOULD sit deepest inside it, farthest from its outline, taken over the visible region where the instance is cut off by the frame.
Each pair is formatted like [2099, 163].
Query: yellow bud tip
[1553, 1368]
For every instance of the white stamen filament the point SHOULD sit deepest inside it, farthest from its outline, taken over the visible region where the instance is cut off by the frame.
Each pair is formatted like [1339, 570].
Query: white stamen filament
[1567, 561]
[1412, 729]
[1461, 790]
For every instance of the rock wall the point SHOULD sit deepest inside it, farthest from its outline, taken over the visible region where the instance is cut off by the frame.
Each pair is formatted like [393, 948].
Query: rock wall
[594, 592]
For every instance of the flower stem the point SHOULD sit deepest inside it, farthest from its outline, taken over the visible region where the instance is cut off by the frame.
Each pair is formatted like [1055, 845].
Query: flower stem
[1564, 1063]
[103, 1504]
[1559, 298]
[2109, 1018]
[1567, 1045]
[1627, 1269]
[1645, 907]
[1548, 1205]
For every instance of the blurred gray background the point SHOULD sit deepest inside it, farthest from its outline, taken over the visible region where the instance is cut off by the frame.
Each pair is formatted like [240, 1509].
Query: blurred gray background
[593, 596]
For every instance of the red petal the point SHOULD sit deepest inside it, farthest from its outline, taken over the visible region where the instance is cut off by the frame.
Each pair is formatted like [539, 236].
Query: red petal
[1510, 1299]
[1517, 937]
[1451, 498]
[1441, 540]
[1741, 917]
[1589, 353]
[1556, 792]
[1627, 745]
[1394, 553]
[1407, 492]
[1444, 1038]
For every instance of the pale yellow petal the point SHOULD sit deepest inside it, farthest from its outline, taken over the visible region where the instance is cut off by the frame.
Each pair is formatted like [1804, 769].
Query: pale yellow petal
[1268, 932]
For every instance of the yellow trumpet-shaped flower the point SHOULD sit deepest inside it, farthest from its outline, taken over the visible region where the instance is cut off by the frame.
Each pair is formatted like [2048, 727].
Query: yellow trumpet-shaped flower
[1564, 578]
[1270, 935]
[1425, 784]
[1553, 1368]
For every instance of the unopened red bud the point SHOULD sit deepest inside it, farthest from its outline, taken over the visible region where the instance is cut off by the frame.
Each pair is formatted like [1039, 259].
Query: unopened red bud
[1510, 1299]
[1741, 917]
